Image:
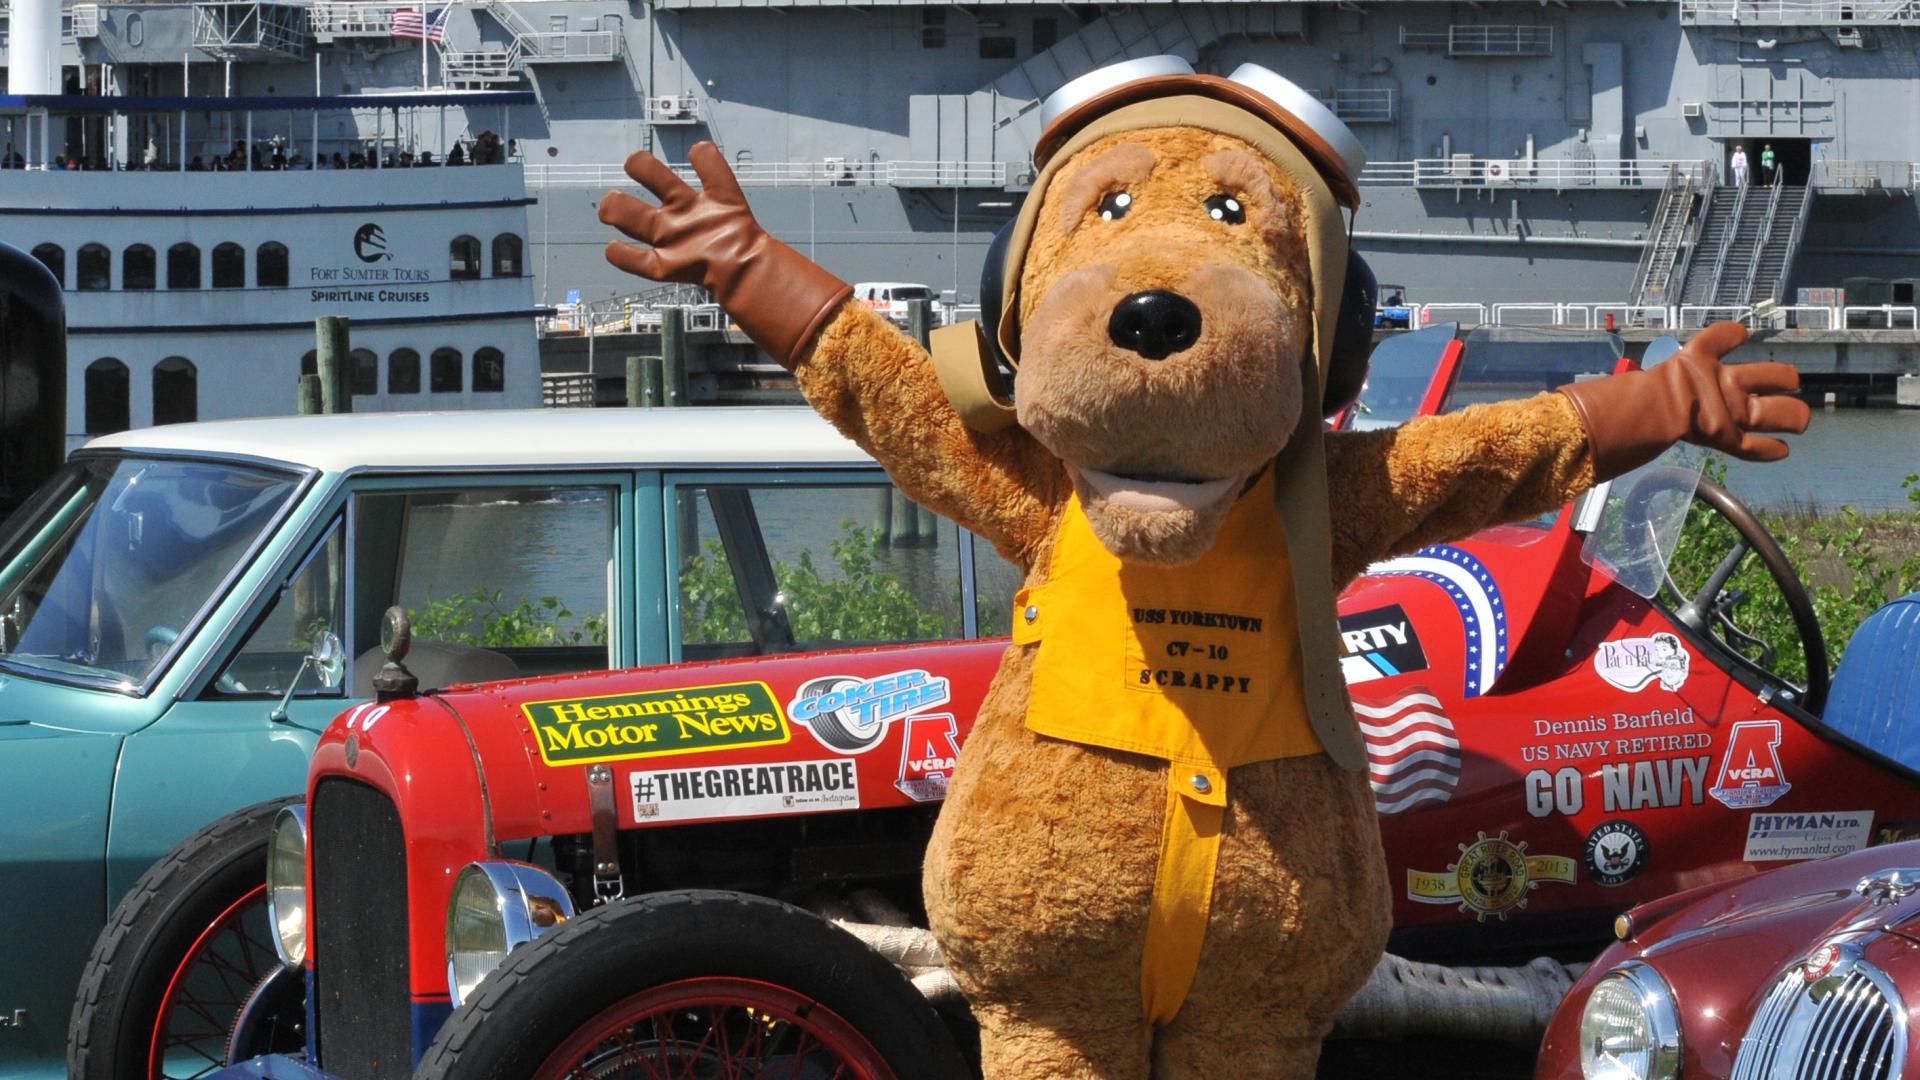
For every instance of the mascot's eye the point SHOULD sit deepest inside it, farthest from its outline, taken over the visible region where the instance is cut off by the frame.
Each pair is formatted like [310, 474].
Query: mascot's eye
[1226, 208]
[1115, 206]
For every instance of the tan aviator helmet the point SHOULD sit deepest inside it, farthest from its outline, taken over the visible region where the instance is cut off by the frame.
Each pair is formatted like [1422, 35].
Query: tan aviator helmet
[1289, 126]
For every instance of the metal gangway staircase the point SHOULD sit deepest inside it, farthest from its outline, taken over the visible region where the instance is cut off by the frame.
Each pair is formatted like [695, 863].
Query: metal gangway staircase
[1653, 279]
[494, 64]
[1746, 244]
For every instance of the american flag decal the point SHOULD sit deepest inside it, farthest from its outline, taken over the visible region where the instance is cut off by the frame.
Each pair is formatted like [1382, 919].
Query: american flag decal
[1413, 756]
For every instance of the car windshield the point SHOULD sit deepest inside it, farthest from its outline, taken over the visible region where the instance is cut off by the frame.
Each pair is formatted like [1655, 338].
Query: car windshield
[912, 292]
[1500, 364]
[1397, 376]
[105, 574]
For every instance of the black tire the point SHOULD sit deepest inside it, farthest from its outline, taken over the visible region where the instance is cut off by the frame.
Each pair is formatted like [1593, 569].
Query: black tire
[548, 989]
[136, 957]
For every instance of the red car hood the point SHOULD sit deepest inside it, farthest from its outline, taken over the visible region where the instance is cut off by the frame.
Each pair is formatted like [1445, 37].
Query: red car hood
[1721, 947]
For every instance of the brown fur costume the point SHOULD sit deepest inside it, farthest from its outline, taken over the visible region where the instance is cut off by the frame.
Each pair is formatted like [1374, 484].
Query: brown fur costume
[1041, 873]
[1038, 879]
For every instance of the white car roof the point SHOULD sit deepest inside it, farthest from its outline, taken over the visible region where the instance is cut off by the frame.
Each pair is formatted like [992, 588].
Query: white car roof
[552, 438]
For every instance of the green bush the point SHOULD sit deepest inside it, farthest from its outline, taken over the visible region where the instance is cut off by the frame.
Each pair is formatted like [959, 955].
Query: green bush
[1851, 563]
[861, 601]
[484, 618]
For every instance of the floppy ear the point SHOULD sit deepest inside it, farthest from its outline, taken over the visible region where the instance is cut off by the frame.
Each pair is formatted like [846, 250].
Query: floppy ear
[1352, 337]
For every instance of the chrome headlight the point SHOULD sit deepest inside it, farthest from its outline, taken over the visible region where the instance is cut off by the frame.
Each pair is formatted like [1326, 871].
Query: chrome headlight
[287, 884]
[1630, 1029]
[497, 906]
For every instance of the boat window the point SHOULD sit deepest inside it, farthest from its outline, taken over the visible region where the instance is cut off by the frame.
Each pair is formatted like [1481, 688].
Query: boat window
[229, 266]
[106, 408]
[446, 371]
[54, 257]
[463, 259]
[93, 268]
[403, 372]
[183, 267]
[489, 371]
[365, 377]
[523, 573]
[313, 603]
[997, 48]
[137, 268]
[773, 567]
[506, 255]
[113, 577]
[270, 263]
[176, 391]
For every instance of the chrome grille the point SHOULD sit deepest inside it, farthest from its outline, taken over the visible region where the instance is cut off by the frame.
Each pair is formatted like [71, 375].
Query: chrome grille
[1849, 1025]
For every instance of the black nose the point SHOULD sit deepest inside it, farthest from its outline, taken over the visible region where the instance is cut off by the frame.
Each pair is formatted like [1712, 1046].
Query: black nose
[1154, 323]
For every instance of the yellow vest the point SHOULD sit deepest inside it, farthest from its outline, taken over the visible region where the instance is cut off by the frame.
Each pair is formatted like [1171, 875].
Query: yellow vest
[1198, 665]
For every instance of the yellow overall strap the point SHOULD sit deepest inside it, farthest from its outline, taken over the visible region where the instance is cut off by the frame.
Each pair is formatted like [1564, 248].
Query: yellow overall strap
[1182, 889]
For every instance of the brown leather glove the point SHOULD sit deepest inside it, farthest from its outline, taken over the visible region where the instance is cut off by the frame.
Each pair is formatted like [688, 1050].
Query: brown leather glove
[1632, 418]
[779, 297]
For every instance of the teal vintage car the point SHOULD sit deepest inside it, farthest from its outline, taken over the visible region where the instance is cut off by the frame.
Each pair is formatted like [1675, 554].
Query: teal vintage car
[184, 608]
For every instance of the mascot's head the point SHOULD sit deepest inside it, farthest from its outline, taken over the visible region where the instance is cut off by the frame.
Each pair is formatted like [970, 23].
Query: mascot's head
[1171, 295]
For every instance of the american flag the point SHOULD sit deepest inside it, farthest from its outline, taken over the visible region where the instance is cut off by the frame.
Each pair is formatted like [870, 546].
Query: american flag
[1413, 756]
[406, 24]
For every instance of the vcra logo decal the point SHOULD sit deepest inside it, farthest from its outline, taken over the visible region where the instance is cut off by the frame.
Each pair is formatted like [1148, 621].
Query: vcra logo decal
[1750, 773]
[370, 244]
[849, 714]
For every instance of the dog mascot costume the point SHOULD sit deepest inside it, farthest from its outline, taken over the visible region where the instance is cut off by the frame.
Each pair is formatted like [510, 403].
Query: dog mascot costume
[1159, 854]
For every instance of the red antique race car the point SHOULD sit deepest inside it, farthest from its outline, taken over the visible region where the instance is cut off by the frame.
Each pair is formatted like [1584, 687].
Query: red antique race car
[588, 874]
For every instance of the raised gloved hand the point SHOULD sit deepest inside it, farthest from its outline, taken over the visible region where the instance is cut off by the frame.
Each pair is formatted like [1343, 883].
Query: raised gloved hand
[778, 296]
[1632, 418]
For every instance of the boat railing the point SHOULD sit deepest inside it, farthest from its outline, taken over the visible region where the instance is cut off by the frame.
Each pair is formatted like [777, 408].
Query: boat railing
[828, 172]
[1468, 170]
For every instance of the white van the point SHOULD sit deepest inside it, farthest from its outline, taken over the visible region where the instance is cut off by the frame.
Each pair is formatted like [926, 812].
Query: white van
[890, 298]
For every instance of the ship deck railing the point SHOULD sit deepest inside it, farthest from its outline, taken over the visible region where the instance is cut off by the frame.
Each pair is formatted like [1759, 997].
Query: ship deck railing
[1621, 315]
[1468, 170]
[1865, 175]
[829, 172]
[1800, 12]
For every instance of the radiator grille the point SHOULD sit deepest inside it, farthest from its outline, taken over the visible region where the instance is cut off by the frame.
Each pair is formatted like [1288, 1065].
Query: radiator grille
[362, 1009]
[1848, 1026]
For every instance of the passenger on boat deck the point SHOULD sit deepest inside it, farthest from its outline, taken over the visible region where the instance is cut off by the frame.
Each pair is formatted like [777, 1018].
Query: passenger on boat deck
[458, 155]
[426, 158]
[198, 164]
[338, 161]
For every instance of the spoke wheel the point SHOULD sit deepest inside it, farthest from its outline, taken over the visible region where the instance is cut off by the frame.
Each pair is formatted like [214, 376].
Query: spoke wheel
[205, 994]
[716, 1029]
[693, 985]
[179, 959]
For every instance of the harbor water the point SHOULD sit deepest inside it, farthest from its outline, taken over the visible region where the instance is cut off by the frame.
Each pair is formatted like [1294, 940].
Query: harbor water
[1851, 457]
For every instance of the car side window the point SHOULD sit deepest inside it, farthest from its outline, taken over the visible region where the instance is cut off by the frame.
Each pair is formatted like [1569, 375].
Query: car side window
[499, 582]
[311, 602]
[770, 568]
[995, 580]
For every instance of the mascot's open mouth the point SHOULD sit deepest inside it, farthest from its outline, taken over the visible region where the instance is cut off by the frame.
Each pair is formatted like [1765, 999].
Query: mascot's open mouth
[1155, 494]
